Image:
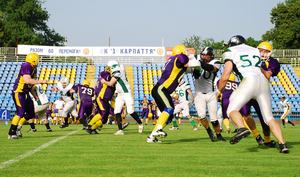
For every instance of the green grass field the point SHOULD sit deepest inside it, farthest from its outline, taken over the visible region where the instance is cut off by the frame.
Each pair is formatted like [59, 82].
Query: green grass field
[74, 152]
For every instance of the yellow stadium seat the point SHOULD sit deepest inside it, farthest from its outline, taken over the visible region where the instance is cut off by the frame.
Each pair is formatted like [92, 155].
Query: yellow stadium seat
[289, 92]
[278, 83]
[55, 81]
[273, 83]
[51, 81]
[294, 92]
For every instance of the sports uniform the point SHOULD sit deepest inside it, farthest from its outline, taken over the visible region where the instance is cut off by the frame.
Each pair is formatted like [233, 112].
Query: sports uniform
[204, 92]
[145, 105]
[85, 96]
[172, 74]
[245, 61]
[285, 104]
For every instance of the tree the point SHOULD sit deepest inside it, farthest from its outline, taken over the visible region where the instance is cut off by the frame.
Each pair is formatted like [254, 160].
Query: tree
[26, 21]
[286, 18]
[252, 42]
[1, 29]
[192, 42]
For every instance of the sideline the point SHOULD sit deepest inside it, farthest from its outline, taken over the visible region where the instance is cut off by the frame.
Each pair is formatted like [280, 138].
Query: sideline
[29, 153]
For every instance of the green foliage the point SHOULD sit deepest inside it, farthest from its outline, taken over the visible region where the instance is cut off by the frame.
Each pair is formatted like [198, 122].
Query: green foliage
[25, 21]
[193, 42]
[286, 33]
[252, 42]
[1, 28]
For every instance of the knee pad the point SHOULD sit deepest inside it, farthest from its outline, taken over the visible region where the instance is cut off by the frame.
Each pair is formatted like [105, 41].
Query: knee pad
[215, 123]
[169, 110]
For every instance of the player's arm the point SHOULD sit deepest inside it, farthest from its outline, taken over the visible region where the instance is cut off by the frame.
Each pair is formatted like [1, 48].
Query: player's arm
[54, 89]
[224, 78]
[279, 108]
[33, 93]
[267, 74]
[109, 83]
[29, 81]
[53, 106]
[191, 94]
[290, 108]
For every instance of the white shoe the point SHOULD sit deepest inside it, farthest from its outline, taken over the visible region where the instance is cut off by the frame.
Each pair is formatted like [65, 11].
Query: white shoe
[195, 128]
[174, 128]
[199, 125]
[159, 133]
[119, 132]
[141, 128]
[19, 133]
[153, 140]
[10, 137]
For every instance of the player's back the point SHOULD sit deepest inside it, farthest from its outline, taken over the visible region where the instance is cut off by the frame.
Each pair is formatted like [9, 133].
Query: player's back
[229, 88]
[85, 93]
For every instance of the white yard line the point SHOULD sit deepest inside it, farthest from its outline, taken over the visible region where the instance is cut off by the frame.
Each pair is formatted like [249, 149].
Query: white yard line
[29, 153]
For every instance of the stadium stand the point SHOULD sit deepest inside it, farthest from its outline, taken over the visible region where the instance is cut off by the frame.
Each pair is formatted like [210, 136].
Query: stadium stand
[142, 78]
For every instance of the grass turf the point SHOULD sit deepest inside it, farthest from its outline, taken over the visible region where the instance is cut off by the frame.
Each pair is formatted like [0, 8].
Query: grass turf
[184, 152]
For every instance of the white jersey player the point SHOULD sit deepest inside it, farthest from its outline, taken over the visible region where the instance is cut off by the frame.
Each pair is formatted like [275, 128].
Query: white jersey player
[204, 92]
[64, 86]
[183, 91]
[123, 89]
[245, 61]
[285, 104]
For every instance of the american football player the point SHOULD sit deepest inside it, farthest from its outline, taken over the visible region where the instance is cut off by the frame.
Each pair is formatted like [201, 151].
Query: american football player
[64, 86]
[23, 85]
[118, 78]
[146, 107]
[245, 61]
[285, 104]
[204, 92]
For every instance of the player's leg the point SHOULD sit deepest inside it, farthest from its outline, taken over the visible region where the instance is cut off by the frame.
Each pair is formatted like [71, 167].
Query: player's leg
[40, 111]
[119, 103]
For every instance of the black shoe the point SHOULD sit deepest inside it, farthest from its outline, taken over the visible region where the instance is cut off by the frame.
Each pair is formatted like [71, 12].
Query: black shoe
[283, 148]
[49, 130]
[88, 129]
[260, 140]
[93, 132]
[241, 133]
[235, 131]
[220, 137]
[272, 144]
[211, 135]
[64, 125]
[32, 130]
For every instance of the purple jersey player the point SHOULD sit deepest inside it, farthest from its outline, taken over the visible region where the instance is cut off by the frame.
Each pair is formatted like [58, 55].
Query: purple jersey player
[23, 84]
[146, 106]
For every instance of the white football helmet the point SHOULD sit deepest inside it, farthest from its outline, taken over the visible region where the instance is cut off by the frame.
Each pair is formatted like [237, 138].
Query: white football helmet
[65, 81]
[113, 65]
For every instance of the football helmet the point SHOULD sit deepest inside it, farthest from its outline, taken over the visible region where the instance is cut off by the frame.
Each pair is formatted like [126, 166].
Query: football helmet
[232, 77]
[65, 81]
[181, 81]
[33, 58]
[113, 65]
[86, 83]
[179, 49]
[207, 51]
[53, 115]
[266, 46]
[236, 40]
[282, 96]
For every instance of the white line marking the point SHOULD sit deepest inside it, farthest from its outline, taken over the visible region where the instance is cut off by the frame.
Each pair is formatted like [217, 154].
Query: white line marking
[29, 153]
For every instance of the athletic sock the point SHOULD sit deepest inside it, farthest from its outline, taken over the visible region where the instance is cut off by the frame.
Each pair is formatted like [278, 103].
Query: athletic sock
[95, 119]
[179, 121]
[97, 124]
[32, 125]
[147, 120]
[267, 138]
[164, 116]
[66, 121]
[47, 125]
[191, 119]
[119, 121]
[136, 117]
[226, 123]
[283, 122]
[22, 121]
[290, 122]
[255, 133]
[174, 122]
[208, 130]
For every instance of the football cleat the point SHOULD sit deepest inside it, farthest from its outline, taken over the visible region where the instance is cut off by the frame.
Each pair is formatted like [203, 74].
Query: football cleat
[235, 131]
[10, 137]
[272, 144]
[220, 137]
[241, 133]
[125, 125]
[283, 126]
[32, 130]
[153, 140]
[228, 130]
[19, 133]
[141, 128]
[159, 133]
[283, 148]
[119, 132]
[49, 130]
[221, 129]
[211, 135]
[63, 125]
[293, 125]
[195, 128]
[174, 128]
[93, 132]
[260, 140]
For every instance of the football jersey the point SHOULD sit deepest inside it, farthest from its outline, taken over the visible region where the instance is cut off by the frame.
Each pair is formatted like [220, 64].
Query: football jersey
[205, 83]
[105, 91]
[145, 104]
[20, 85]
[84, 93]
[153, 106]
[39, 91]
[63, 91]
[59, 104]
[285, 104]
[229, 88]
[173, 72]
[271, 65]
[182, 93]
[122, 85]
[245, 59]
